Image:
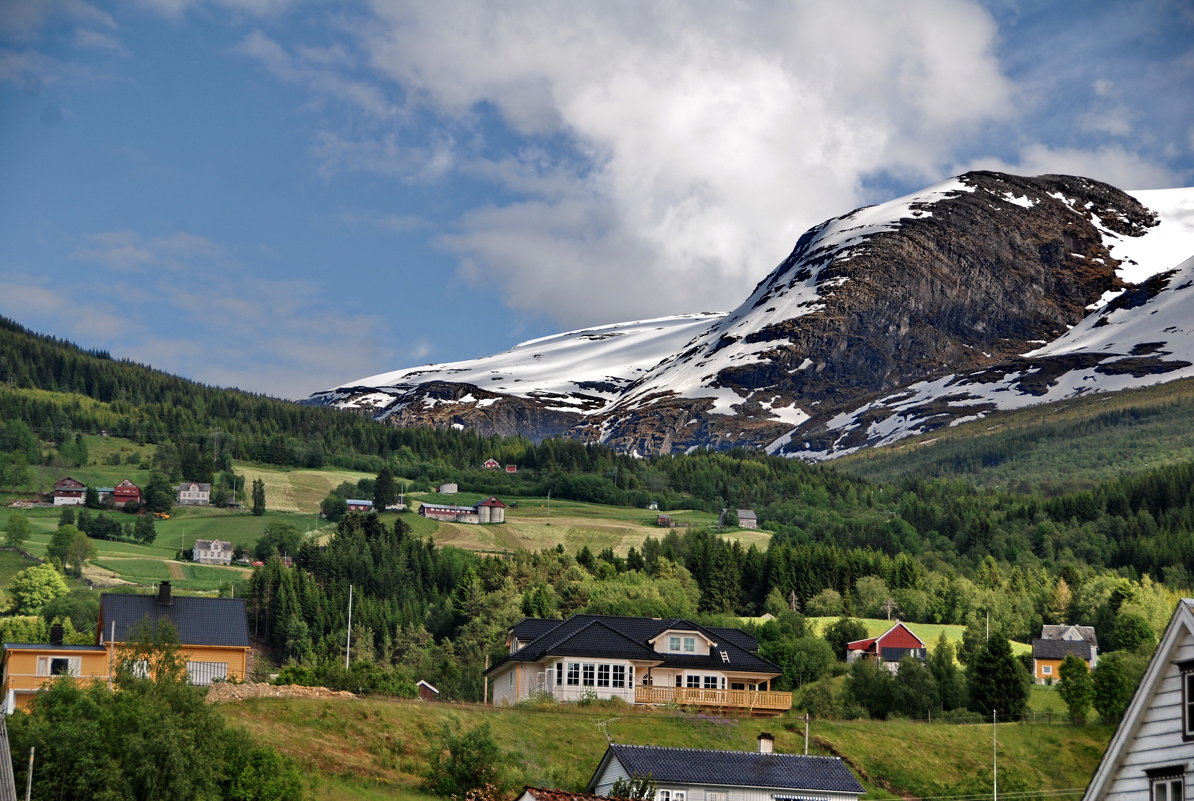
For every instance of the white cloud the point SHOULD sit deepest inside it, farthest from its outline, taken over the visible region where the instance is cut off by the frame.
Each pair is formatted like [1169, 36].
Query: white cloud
[129, 250]
[705, 139]
[1112, 164]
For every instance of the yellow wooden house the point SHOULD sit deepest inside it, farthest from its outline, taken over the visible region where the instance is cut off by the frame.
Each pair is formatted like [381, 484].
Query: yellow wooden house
[213, 634]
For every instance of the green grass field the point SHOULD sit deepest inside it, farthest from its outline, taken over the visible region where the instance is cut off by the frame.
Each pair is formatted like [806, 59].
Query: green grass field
[376, 749]
[296, 490]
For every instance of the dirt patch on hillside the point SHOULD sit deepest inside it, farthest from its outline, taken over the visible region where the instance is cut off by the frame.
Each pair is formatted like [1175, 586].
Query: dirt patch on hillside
[176, 571]
[220, 692]
[99, 577]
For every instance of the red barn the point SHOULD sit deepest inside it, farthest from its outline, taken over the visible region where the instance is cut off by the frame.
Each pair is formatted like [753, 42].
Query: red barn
[69, 492]
[490, 464]
[511, 468]
[126, 492]
[889, 648]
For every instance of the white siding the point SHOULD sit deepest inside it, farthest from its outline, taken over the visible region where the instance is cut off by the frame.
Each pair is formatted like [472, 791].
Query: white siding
[1158, 738]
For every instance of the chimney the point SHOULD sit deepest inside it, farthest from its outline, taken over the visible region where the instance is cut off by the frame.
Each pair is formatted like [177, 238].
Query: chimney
[766, 742]
[56, 634]
[164, 594]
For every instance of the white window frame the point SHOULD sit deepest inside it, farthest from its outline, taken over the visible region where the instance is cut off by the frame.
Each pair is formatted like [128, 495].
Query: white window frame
[74, 665]
[1167, 784]
[574, 674]
[663, 795]
[1046, 670]
[673, 644]
[603, 675]
[690, 644]
[618, 677]
[588, 674]
[1186, 670]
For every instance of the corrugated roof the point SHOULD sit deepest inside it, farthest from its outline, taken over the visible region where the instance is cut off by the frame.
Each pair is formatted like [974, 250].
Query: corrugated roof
[737, 768]
[200, 621]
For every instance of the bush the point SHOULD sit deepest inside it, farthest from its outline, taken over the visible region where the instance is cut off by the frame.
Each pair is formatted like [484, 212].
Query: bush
[462, 762]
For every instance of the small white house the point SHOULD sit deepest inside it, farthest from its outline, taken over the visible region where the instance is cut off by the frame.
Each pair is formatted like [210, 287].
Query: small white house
[212, 552]
[193, 493]
[1152, 752]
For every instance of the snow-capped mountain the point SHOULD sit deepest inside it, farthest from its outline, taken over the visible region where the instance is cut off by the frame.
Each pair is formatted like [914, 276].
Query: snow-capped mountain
[540, 387]
[987, 291]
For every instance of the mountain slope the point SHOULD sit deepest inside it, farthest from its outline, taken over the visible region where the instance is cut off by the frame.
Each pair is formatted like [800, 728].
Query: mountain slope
[954, 286]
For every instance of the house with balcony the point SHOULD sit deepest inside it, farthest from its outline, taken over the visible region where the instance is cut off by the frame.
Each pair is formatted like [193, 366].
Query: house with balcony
[213, 635]
[646, 661]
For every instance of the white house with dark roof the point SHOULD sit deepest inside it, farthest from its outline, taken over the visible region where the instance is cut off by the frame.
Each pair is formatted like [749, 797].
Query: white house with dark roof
[194, 493]
[693, 774]
[212, 552]
[639, 660]
[1151, 756]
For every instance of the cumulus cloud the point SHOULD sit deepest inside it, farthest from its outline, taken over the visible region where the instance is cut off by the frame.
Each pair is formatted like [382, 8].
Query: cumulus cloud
[690, 143]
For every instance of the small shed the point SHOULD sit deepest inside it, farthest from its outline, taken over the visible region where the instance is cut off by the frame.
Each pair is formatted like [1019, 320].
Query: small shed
[747, 519]
[511, 468]
[426, 691]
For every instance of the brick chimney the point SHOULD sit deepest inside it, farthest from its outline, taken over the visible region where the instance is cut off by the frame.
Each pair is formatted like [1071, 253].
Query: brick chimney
[766, 743]
[163, 598]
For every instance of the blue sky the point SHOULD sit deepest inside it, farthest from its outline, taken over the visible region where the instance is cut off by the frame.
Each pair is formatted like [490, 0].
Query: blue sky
[284, 195]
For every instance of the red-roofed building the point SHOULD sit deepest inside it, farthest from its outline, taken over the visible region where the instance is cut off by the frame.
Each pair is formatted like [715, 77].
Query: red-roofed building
[69, 492]
[490, 464]
[888, 648]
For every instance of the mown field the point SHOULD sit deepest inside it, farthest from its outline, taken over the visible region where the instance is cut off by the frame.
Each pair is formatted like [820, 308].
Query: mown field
[374, 749]
[539, 523]
[296, 490]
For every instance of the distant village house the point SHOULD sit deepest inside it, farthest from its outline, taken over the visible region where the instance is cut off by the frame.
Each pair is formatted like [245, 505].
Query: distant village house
[69, 492]
[125, 492]
[192, 493]
[747, 519]
[359, 505]
[212, 552]
[490, 464]
[1055, 643]
[888, 648]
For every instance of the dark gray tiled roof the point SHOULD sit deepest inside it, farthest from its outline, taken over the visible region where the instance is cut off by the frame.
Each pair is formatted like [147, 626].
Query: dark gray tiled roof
[24, 646]
[737, 768]
[1057, 649]
[627, 638]
[200, 621]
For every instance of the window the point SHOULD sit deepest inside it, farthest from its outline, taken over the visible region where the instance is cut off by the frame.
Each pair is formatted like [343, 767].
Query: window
[588, 671]
[690, 643]
[573, 674]
[692, 681]
[603, 675]
[679, 680]
[1046, 670]
[1187, 673]
[678, 795]
[59, 666]
[619, 677]
[559, 673]
[1166, 784]
[663, 795]
[673, 644]
[711, 682]
[713, 796]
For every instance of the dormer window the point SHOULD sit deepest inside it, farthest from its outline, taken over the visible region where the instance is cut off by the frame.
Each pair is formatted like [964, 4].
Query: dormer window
[1166, 784]
[678, 644]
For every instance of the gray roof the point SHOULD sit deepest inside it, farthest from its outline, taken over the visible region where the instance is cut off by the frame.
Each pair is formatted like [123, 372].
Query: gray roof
[26, 646]
[1057, 649]
[1057, 632]
[735, 768]
[199, 621]
[629, 638]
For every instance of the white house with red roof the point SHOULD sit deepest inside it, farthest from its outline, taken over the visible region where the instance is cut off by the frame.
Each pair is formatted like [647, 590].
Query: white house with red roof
[888, 648]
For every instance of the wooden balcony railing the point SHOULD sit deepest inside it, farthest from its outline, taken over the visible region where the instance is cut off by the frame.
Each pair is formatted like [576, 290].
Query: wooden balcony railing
[726, 699]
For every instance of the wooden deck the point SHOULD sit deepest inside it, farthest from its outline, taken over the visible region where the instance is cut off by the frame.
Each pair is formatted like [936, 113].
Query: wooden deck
[742, 700]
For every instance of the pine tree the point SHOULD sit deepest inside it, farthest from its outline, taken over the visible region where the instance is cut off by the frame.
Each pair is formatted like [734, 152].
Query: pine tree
[385, 490]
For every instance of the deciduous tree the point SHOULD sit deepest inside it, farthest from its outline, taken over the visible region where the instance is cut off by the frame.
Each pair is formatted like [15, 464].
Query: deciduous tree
[1075, 688]
[34, 587]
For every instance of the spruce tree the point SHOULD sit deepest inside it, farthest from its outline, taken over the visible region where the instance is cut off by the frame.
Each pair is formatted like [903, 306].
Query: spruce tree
[258, 497]
[997, 681]
[385, 489]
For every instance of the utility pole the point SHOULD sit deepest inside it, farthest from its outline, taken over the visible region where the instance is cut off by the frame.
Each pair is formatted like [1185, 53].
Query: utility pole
[29, 775]
[994, 760]
[806, 734]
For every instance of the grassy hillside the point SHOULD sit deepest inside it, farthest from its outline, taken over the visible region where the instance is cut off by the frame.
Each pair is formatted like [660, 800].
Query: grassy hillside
[367, 749]
[1069, 444]
[296, 490]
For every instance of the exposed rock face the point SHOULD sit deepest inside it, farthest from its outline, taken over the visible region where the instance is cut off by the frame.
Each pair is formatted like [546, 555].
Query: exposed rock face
[975, 273]
[887, 321]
